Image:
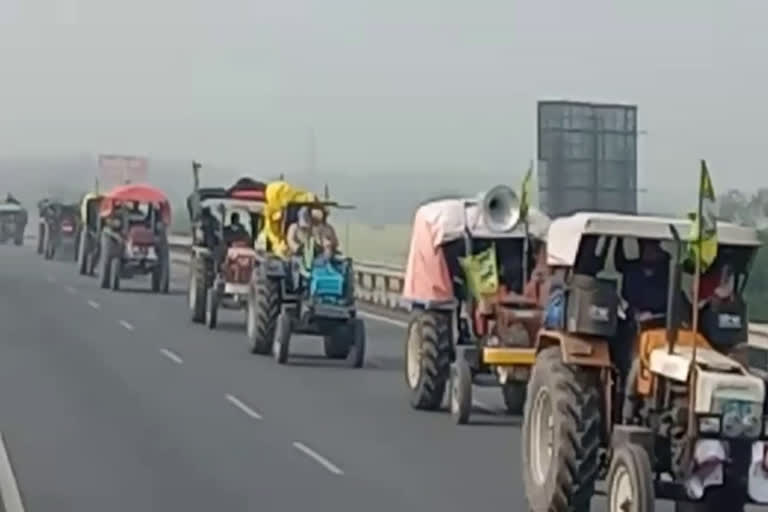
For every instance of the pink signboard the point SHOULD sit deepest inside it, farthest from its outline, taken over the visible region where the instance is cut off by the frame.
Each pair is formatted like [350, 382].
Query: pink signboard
[118, 169]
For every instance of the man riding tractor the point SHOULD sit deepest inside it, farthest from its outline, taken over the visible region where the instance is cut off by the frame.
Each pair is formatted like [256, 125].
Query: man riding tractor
[468, 267]
[13, 221]
[622, 387]
[58, 226]
[302, 284]
[222, 253]
[133, 236]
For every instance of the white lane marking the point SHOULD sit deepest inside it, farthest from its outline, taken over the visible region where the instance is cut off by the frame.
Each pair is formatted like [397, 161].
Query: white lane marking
[71, 289]
[9, 490]
[381, 318]
[94, 304]
[240, 405]
[126, 325]
[170, 355]
[330, 466]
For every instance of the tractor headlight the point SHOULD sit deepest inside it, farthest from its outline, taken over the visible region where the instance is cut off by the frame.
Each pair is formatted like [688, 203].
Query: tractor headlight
[739, 418]
[732, 425]
[752, 425]
[709, 425]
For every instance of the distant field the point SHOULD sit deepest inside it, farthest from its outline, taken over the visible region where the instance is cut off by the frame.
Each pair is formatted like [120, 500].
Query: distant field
[386, 243]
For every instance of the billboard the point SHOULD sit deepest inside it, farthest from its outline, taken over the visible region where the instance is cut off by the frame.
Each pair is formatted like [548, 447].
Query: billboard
[587, 155]
[120, 169]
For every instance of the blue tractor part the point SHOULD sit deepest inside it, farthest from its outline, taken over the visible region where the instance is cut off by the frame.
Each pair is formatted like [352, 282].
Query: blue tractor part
[326, 281]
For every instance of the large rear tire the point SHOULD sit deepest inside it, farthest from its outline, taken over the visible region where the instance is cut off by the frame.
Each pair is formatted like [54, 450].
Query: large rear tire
[263, 310]
[282, 344]
[561, 435]
[428, 359]
[161, 273]
[356, 342]
[114, 271]
[40, 238]
[82, 252]
[212, 307]
[197, 289]
[105, 261]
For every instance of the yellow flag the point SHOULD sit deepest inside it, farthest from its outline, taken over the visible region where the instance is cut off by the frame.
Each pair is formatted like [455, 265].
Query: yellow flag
[704, 229]
[481, 273]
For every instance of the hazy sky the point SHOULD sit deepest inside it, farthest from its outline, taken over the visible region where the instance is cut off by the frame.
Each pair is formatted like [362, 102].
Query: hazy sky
[423, 85]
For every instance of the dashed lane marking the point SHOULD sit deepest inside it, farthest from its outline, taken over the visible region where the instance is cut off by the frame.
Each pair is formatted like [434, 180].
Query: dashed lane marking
[306, 450]
[126, 325]
[9, 489]
[94, 304]
[171, 355]
[240, 405]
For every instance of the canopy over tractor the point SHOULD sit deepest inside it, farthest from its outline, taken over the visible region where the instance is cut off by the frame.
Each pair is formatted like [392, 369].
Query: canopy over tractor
[136, 193]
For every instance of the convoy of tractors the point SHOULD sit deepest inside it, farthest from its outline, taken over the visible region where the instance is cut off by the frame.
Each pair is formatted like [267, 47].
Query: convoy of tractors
[588, 324]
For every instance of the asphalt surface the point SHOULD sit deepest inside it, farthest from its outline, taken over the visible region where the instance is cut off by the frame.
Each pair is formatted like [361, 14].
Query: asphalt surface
[113, 401]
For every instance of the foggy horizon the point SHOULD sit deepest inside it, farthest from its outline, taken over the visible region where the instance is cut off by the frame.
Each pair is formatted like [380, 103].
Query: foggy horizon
[426, 87]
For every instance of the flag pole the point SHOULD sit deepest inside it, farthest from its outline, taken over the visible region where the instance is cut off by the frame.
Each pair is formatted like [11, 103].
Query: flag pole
[525, 223]
[696, 281]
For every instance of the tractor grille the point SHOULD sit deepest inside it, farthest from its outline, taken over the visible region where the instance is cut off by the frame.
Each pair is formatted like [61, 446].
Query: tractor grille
[237, 269]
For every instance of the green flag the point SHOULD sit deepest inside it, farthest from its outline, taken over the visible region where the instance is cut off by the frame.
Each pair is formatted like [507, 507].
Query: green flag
[525, 195]
[703, 238]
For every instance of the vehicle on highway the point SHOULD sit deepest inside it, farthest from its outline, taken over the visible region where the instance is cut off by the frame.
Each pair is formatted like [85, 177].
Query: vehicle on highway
[304, 293]
[13, 221]
[88, 234]
[464, 284]
[223, 253]
[58, 224]
[615, 392]
[133, 236]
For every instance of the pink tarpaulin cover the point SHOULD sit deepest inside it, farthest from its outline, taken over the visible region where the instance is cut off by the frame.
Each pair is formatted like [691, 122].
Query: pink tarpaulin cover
[426, 277]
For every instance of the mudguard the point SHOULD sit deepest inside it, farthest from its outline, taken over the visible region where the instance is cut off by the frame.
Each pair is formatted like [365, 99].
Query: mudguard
[576, 350]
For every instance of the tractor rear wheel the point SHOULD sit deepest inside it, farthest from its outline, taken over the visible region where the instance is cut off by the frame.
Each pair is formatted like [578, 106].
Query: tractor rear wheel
[197, 289]
[561, 434]
[428, 353]
[263, 310]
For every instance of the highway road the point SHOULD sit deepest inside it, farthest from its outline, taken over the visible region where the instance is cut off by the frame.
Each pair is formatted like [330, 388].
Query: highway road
[116, 401]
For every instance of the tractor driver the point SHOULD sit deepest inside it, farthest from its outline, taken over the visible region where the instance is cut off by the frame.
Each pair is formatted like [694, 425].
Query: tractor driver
[299, 232]
[323, 233]
[235, 231]
[646, 280]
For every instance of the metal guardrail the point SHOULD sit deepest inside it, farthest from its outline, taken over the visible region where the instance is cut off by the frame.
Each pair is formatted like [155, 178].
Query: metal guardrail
[381, 284]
